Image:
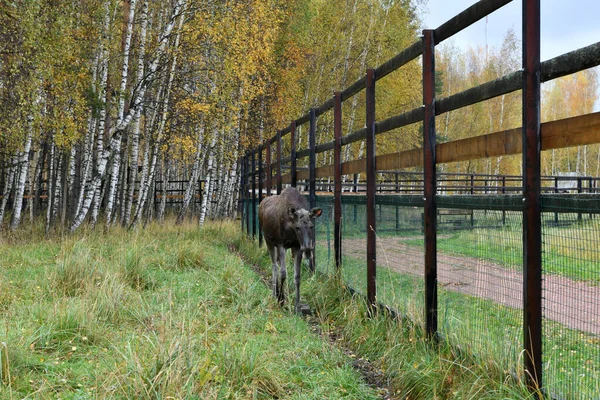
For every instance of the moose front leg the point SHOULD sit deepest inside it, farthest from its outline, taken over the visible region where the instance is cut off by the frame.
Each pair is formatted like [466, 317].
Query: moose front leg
[310, 254]
[297, 254]
[282, 276]
[274, 253]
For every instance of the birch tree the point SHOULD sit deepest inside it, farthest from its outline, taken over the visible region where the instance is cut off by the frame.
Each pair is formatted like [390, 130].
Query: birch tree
[115, 132]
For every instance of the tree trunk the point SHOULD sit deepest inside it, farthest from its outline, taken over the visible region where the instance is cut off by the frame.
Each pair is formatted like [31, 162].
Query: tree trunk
[135, 132]
[51, 175]
[206, 195]
[8, 184]
[116, 131]
[126, 46]
[22, 177]
[190, 189]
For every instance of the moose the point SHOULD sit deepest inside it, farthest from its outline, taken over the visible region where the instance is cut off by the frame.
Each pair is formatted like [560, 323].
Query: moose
[287, 224]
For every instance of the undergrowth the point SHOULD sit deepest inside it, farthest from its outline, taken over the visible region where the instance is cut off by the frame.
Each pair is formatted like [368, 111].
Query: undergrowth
[163, 312]
[414, 366]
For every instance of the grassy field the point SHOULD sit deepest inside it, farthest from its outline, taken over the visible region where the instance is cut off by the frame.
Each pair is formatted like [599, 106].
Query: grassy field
[414, 367]
[177, 312]
[165, 312]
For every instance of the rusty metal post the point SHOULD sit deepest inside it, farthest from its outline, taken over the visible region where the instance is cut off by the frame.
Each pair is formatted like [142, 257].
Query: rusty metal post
[294, 169]
[260, 190]
[279, 185]
[312, 160]
[337, 167]
[579, 191]
[371, 188]
[269, 183]
[532, 227]
[430, 211]
[246, 194]
[242, 195]
[254, 194]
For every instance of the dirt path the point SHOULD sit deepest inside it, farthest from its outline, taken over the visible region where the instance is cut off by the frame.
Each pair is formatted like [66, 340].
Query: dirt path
[574, 304]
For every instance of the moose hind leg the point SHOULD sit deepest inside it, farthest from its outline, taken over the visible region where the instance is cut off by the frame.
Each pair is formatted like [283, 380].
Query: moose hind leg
[282, 275]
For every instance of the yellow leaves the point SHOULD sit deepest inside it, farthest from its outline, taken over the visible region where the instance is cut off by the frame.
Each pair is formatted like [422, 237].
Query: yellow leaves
[192, 107]
[182, 148]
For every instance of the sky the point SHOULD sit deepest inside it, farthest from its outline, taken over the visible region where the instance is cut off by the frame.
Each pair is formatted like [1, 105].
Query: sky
[566, 25]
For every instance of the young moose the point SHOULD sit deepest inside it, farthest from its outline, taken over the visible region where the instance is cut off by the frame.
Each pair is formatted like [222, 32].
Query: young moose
[287, 224]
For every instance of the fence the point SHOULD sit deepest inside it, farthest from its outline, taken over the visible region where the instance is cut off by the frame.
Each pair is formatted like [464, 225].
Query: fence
[522, 273]
[172, 190]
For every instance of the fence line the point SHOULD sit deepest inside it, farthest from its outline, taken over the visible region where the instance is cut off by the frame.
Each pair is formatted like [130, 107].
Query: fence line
[529, 140]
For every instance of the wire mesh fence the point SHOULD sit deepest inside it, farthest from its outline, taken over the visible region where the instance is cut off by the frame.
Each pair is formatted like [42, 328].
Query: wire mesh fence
[480, 278]
[504, 266]
[571, 298]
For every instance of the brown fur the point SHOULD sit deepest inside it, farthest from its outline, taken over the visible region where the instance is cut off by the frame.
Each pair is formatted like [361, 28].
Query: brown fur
[287, 224]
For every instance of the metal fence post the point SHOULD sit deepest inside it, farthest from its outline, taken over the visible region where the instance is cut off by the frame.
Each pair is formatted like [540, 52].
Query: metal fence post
[242, 195]
[532, 232]
[268, 181]
[371, 188]
[294, 170]
[254, 194]
[246, 194]
[312, 160]
[337, 165]
[260, 190]
[279, 184]
[430, 211]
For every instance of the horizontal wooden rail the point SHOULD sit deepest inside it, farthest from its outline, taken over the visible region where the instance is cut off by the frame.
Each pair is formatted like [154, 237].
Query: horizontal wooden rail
[400, 59]
[466, 18]
[569, 132]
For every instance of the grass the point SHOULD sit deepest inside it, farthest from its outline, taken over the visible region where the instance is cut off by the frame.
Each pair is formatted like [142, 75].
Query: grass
[165, 312]
[485, 334]
[414, 367]
[481, 337]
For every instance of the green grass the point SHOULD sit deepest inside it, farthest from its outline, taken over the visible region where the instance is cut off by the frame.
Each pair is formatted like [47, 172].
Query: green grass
[414, 367]
[165, 312]
[483, 337]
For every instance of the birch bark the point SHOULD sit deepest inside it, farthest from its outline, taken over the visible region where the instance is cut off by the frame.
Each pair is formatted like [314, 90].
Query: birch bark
[209, 179]
[190, 189]
[117, 130]
[130, 14]
[135, 132]
[160, 133]
[8, 184]
[23, 168]
[51, 174]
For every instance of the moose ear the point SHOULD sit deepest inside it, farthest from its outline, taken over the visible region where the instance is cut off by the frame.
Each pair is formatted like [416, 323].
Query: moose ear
[316, 212]
[292, 213]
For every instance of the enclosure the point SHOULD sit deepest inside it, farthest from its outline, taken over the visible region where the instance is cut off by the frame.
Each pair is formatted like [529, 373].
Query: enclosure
[504, 267]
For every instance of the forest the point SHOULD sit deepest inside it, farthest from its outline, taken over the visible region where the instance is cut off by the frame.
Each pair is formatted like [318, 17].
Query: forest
[104, 101]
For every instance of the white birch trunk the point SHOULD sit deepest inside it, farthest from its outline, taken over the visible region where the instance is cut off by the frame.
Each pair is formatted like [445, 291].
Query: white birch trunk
[22, 177]
[50, 186]
[135, 132]
[8, 184]
[121, 111]
[119, 128]
[190, 189]
[58, 195]
[166, 167]
[209, 179]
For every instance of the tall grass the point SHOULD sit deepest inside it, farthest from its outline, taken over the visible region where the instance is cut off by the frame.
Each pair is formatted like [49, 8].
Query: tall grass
[165, 312]
[414, 366]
